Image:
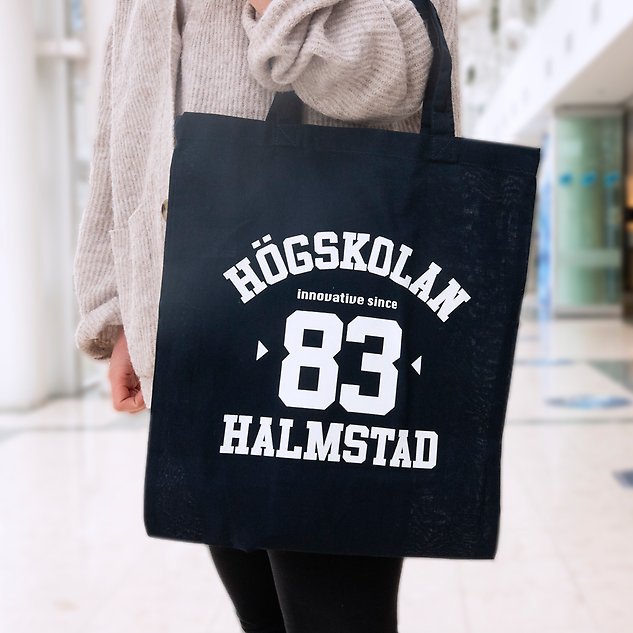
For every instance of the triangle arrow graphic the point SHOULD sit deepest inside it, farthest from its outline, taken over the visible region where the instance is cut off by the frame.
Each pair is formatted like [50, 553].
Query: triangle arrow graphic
[417, 364]
[261, 350]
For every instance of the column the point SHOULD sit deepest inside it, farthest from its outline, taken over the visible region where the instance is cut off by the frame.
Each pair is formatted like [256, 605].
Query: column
[23, 308]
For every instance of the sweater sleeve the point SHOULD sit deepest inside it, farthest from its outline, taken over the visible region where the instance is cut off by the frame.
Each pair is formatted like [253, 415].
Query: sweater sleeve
[93, 270]
[348, 59]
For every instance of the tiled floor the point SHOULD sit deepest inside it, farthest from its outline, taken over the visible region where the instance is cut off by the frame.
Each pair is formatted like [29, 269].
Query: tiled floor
[74, 556]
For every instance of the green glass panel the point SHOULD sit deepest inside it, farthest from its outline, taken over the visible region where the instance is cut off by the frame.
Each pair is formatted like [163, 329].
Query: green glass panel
[588, 210]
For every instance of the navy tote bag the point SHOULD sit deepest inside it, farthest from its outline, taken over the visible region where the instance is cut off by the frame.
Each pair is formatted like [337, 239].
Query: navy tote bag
[336, 330]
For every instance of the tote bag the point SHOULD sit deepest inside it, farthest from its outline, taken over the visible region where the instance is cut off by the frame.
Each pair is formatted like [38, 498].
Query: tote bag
[337, 322]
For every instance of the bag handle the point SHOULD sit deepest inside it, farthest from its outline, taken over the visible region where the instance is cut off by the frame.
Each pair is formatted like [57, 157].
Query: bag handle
[437, 109]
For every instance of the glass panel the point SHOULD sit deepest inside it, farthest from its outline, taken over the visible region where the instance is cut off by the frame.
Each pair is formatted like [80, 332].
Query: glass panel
[81, 141]
[76, 21]
[629, 161]
[588, 210]
[628, 281]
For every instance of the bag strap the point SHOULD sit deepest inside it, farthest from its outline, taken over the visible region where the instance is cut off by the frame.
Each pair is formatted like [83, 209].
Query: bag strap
[437, 109]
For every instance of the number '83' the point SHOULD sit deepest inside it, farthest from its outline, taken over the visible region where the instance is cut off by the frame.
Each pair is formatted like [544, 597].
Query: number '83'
[322, 358]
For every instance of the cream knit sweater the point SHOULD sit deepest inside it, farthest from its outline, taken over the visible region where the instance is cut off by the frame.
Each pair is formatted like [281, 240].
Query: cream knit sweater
[356, 63]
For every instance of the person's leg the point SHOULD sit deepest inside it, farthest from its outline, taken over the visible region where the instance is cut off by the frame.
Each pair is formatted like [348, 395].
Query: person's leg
[248, 580]
[335, 593]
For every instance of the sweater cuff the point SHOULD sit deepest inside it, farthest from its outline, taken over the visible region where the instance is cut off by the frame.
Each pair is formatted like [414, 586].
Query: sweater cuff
[99, 329]
[277, 16]
[280, 31]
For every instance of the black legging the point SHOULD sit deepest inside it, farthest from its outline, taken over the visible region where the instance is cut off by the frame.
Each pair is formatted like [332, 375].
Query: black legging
[276, 591]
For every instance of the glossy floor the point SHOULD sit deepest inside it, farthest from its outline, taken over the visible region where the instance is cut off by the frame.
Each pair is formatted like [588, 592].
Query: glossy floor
[74, 556]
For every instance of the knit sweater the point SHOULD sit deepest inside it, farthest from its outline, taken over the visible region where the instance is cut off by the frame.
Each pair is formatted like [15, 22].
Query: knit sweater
[355, 63]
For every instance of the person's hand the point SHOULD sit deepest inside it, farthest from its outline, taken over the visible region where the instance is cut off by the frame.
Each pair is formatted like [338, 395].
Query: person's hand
[125, 384]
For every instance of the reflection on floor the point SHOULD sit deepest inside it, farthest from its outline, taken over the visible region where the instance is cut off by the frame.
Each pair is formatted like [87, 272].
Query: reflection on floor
[75, 557]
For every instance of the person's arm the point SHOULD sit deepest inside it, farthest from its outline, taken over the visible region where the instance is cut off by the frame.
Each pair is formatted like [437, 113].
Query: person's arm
[100, 321]
[348, 59]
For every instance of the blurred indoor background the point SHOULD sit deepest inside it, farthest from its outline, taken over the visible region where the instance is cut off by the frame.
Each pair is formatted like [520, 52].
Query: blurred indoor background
[74, 555]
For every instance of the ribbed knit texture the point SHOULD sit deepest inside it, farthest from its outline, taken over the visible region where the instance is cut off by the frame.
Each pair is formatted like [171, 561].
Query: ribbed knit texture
[354, 63]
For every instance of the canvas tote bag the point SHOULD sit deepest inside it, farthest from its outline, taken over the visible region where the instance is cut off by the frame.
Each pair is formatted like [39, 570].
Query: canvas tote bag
[336, 330]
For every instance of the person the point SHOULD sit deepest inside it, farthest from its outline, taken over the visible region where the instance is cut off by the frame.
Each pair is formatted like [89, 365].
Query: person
[352, 63]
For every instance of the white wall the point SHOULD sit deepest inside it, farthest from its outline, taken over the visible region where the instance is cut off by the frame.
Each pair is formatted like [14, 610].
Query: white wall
[581, 53]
